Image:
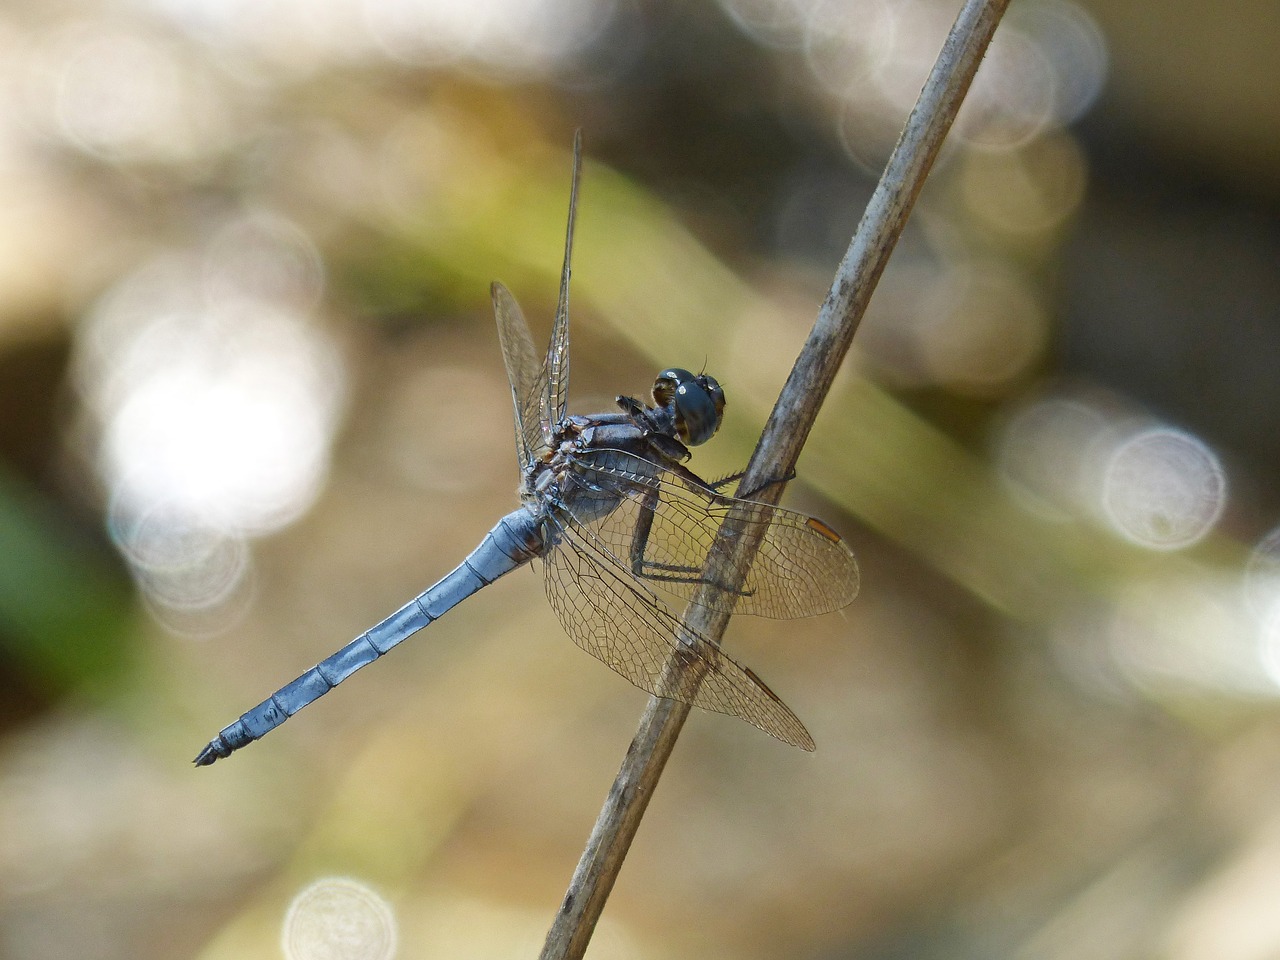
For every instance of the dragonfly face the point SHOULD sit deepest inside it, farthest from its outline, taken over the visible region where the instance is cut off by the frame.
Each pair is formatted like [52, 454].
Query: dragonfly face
[696, 401]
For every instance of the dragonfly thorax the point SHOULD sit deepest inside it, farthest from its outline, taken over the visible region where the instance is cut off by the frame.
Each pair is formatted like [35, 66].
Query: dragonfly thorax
[541, 478]
[696, 403]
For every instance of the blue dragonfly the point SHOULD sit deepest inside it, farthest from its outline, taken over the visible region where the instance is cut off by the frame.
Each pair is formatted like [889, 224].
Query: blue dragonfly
[608, 506]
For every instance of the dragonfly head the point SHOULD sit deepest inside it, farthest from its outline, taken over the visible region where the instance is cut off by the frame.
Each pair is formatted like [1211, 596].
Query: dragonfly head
[696, 400]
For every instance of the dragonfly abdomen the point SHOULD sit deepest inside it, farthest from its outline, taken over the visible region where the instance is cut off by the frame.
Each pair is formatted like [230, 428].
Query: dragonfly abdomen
[514, 540]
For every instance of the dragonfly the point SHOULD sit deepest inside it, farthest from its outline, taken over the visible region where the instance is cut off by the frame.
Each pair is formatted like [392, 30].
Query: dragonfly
[623, 529]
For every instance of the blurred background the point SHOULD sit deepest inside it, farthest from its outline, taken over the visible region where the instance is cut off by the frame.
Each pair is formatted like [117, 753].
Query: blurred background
[251, 401]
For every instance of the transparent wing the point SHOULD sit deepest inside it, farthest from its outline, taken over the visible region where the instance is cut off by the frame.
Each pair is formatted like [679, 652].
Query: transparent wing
[556, 384]
[667, 524]
[525, 374]
[615, 619]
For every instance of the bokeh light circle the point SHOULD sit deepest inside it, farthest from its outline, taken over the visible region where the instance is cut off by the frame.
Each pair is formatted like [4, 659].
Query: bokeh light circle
[1262, 577]
[228, 418]
[774, 23]
[1181, 629]
[1075, 48]
[1269, 645]
[979, 328]
[180, 563]
[339, 919]
[1163, 489]
[215, 396]
[1026, 192]
[1042, 455]
[124, 93]
[263, 256]
[507, 37]
[1012, 96]
[847, 44]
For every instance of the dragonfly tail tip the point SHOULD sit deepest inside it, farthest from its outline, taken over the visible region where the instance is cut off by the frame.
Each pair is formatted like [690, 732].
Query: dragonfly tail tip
[209, 754]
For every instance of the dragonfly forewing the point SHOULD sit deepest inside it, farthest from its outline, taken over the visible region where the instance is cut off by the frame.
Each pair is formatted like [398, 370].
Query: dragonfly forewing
[556, 368]
[801, 569]
[524, 372]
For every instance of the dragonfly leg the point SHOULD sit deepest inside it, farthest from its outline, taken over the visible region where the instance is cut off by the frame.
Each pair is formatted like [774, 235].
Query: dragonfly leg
[640, 538]
[718, 485]
[656, 435]
[645, 569]
[750, 494]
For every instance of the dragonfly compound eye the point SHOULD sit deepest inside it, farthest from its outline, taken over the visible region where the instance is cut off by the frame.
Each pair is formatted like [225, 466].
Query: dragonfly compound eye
[664, 386]
[715, 392]
[698, 402]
